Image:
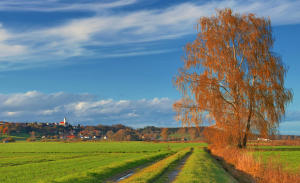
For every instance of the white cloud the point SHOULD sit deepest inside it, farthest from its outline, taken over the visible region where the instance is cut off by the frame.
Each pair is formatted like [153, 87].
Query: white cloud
[85, 108]
[12, 113]
[8, 49]
[56, 5]
[74, 37]
[88, 109]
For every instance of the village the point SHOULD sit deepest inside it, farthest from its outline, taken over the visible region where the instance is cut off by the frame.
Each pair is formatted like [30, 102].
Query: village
[64, 130]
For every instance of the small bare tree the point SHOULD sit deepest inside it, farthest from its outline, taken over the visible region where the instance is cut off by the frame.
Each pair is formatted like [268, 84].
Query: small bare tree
[164, 134]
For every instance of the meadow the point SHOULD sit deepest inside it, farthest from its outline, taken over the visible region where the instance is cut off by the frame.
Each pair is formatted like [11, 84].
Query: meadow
[78, 162]
[202, 168]
[287, 156]
[85, 162]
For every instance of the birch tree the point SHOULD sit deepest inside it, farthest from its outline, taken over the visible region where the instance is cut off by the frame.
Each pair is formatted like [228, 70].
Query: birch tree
[232, 78]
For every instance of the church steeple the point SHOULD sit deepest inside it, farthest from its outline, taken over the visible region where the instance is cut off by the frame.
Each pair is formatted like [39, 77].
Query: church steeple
[63, 123]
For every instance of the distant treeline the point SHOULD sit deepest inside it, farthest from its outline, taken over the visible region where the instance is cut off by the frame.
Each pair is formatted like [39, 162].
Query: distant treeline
[118, 132]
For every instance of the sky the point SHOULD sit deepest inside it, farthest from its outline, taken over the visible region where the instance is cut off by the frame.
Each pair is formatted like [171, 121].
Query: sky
[113, 61]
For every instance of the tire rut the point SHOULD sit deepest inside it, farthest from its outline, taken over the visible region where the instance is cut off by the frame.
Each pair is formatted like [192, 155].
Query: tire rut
[128, 173]
[170, 175]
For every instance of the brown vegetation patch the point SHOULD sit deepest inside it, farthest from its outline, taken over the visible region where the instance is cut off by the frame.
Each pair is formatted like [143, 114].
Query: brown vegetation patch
[239, 175]
[240, 164]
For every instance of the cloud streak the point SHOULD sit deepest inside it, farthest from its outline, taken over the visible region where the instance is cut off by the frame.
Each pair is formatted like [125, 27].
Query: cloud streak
[75, 36]
[57, 6]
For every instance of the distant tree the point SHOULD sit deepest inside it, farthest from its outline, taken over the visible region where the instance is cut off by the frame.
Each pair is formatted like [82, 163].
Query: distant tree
[164, 133]
[125, 134]
[97, 132]
[120, 135]
[194, 133]
[6, 130]
[32, 134]
[19, 127]
[109, 134]
[231, 77]
[1, 129]
[32, 137]
[119, 126]
[181, 131]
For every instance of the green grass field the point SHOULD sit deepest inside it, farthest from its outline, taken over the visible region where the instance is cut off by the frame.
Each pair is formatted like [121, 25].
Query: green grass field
[202, 168]
[77, 162]
[277, 148]
[85, 162]
[151, 173]
[289, 156]
[91, 147]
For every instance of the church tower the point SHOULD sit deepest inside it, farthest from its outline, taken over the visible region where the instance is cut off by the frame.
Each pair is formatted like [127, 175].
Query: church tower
[63, 123]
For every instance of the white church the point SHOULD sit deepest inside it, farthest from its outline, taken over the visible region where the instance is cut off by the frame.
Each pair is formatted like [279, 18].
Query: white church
[64, 123]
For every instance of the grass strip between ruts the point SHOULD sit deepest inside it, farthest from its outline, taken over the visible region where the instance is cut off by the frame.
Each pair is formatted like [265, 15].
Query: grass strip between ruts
[152, 172]
[202, 168]
[100, 174]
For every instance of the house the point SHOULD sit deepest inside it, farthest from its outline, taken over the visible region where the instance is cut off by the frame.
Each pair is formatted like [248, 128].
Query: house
[263, 139]
[86, 137]
[71, 136]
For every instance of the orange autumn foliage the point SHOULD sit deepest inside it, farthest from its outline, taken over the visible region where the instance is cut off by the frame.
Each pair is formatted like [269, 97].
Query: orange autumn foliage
[232, 78]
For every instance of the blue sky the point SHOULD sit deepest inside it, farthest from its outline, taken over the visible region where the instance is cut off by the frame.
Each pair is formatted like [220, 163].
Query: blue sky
[113, 61]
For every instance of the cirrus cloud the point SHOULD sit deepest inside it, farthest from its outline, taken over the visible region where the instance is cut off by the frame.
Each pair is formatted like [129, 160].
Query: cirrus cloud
[107, 28]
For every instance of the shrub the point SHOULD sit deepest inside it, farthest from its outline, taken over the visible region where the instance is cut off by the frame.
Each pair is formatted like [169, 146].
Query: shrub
[8, 139]
[30, 139]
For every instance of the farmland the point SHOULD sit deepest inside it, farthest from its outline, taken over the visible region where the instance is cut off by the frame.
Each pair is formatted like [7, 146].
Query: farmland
[61, 162]
[288, 156]
[76, 162]
[152, 172]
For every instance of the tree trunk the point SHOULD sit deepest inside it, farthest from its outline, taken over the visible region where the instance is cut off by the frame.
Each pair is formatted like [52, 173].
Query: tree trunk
[247, 129]
[246, 134]
[240, 145]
